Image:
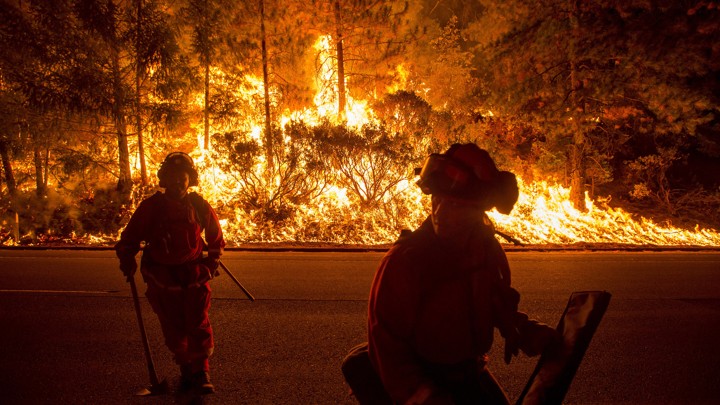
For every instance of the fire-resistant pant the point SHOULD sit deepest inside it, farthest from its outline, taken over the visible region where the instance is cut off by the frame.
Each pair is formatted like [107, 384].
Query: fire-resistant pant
[183, 315]
[468, 383]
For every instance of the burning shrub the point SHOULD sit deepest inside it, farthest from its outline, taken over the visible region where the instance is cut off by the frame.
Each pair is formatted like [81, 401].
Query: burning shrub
[56, 218]
[325, 182]
[297, 173]
[369, 161]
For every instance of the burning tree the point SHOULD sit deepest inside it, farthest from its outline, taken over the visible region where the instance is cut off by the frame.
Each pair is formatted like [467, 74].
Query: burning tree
[367, 38]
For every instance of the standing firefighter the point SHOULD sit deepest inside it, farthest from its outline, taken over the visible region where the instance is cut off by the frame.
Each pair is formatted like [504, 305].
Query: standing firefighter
[177, 275]
[441, 290]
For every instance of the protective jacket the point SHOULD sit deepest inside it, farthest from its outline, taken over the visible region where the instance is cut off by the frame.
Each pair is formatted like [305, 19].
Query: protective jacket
[172, 231]
[434, 305]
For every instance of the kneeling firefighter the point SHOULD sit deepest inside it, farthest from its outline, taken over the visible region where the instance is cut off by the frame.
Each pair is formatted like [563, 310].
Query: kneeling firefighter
[441, 290]
[171, 225]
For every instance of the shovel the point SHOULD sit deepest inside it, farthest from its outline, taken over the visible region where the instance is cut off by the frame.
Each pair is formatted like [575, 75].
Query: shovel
[156, 387]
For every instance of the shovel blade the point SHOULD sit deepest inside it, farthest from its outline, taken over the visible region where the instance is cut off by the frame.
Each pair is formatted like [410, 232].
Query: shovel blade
[160, 388]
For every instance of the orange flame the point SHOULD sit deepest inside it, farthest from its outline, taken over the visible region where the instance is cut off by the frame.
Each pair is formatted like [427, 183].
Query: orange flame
[543, 214]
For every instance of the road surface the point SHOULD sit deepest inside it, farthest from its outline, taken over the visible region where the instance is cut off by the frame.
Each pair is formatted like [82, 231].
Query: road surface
[70, 335]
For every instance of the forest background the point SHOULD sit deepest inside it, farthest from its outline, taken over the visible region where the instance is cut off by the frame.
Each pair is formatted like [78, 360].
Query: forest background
[614, 98]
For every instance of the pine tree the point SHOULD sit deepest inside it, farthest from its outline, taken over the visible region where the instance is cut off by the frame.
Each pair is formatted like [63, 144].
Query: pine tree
[156, 60]
[35, 79]
[125, 47]
[368, 39]
[208, 21]
[269, 39]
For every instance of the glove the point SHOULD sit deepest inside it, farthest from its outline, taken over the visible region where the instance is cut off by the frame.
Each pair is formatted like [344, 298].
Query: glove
[212, 263]
[536, 337]
[128, 266]
[504, 303]
[512, 344]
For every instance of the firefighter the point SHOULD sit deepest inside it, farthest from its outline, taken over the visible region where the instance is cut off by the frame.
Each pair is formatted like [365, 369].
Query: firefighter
[441, 290]
[171, 225]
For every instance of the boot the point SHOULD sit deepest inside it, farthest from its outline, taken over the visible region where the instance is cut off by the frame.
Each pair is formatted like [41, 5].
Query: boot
[202, 384]
[186, 378]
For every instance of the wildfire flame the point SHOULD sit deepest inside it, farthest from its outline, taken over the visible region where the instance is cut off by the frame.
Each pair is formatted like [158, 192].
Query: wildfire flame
[356, 112]
[543, 214]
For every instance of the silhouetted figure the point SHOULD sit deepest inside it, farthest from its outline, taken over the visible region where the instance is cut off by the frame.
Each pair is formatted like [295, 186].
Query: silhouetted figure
[171, 225]
[441, 290]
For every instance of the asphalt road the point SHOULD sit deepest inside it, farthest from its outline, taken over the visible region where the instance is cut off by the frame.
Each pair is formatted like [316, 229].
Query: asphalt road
[69, 333]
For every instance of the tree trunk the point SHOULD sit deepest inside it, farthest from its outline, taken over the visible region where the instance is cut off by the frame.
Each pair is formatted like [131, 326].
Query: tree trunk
[577, 171]
[268, 125]
[7, 168]
[138, 99]
[37, 160]
[124, 184]
[340, 62]
[206, 61]
[577, 146]
[141, 147]
[47, 168]
[206, 111]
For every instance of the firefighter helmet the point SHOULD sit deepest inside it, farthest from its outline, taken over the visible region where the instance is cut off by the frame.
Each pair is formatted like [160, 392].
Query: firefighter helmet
[178, 161]
[468, 172]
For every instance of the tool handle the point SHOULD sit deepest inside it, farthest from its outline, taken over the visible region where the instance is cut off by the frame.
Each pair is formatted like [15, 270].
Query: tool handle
[146, 345]
[247, 293]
